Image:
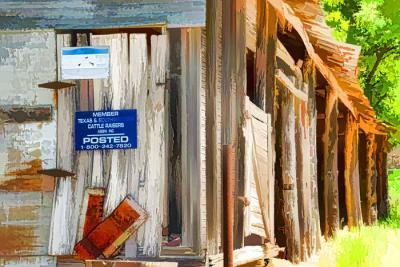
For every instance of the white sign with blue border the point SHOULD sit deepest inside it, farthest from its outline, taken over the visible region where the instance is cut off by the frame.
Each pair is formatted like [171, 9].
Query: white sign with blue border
[89, 62]
[103, 130]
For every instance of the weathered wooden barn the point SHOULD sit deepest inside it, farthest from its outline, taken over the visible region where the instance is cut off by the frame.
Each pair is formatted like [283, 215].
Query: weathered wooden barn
[265, 76]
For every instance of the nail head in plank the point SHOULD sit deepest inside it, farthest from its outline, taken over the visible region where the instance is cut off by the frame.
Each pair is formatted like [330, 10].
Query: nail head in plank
[56, 85]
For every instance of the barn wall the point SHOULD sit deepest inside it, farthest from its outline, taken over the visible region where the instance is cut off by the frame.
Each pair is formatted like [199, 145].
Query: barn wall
[26, 60]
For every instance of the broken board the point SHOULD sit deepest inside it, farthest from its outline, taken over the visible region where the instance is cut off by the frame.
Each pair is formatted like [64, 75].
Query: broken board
[110, 234]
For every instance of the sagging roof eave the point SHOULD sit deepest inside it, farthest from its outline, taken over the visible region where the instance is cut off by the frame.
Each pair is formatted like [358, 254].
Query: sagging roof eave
[286, 15]
[340, 67]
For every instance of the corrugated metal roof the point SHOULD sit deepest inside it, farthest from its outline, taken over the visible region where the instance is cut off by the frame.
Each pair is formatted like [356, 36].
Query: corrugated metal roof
[99, 14]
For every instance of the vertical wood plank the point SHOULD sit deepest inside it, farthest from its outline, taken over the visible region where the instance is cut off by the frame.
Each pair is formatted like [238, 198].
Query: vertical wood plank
[203, 144]
[62, 237]
[213, 123]
[153, 193]
[175, 159]
[138, 164]
[330, 140]
[84, 159]
[102, 100]
[191, 133]
[351, 172]
[119, 96]
[290, 205]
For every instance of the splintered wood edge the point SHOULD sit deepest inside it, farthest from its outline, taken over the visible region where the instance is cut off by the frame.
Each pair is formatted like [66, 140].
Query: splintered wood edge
[56, 173]
[56, 85]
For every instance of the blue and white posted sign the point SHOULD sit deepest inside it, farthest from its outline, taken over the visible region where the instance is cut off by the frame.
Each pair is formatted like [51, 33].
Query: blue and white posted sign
[101, 130]
[89, 62]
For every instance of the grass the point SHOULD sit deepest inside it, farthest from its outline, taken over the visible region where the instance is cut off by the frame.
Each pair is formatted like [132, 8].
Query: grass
[377, 245]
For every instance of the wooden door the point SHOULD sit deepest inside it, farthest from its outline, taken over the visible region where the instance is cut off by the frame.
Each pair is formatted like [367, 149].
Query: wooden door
[137, 80]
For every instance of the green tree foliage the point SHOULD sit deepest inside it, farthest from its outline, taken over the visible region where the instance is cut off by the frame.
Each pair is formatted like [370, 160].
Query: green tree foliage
[375, 26]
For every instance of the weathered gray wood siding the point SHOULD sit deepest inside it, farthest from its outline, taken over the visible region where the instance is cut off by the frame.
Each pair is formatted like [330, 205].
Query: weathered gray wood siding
[26, 60]
[97, 14]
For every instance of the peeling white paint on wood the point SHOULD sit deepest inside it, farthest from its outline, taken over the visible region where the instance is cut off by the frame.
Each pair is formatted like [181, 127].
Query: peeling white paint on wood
[115, 95]
[137, 166]
[62, 237]
[154, 187]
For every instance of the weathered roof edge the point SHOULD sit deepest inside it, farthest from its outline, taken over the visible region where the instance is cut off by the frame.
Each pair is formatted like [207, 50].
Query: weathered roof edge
[285, 13]
[337, 61]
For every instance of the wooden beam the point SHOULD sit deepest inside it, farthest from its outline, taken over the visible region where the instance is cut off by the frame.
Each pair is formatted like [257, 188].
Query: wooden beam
[351, 172]
[287, 83]
[330, 140]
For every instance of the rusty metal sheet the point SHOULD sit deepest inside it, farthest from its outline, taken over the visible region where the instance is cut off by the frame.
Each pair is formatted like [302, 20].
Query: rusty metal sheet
[24, 114]
[113, 231]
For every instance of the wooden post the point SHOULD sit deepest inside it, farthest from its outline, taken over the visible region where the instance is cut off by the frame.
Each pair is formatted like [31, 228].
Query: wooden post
[371, 180]
[265, 74]
[289, 183]
[310, 80]
[303, 176]
[351, 172]
[213, 124]
[234, 87]
[330, 140]
[241, 89]
[382, 183]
